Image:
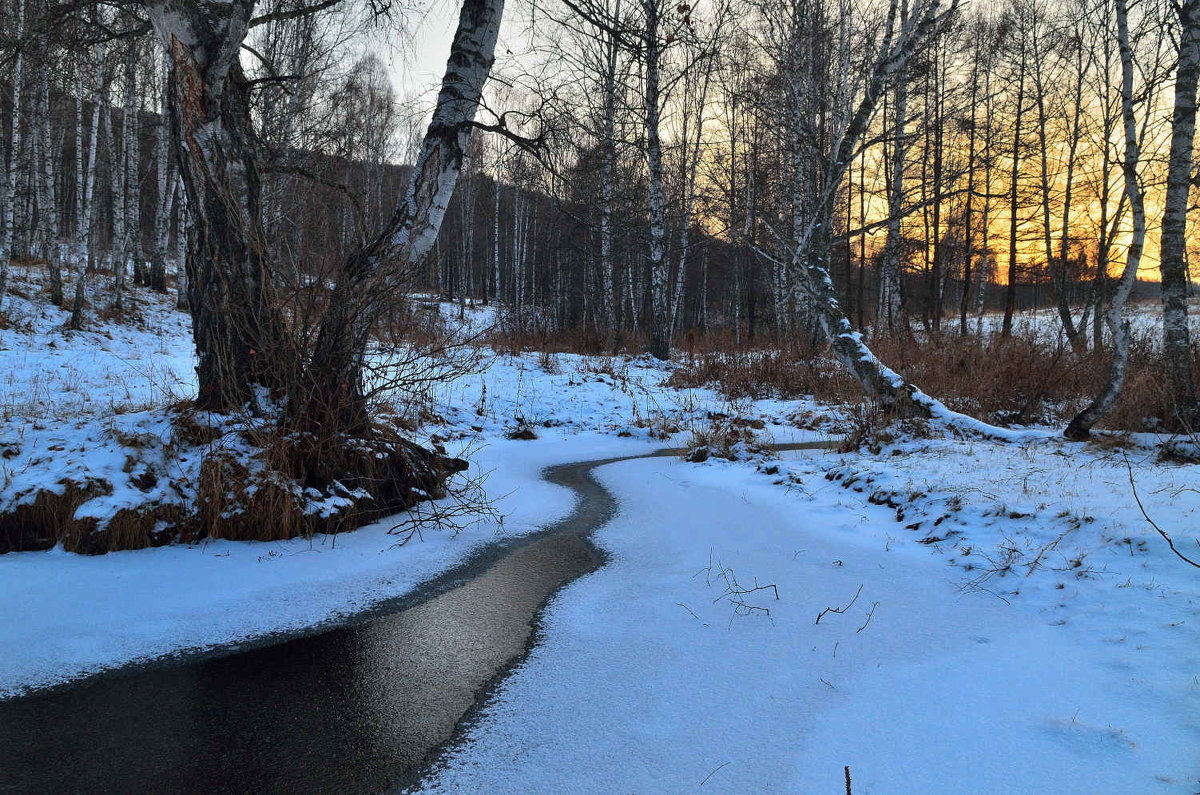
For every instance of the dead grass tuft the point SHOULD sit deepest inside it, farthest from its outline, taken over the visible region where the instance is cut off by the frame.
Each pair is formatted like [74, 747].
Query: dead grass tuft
[49, 517]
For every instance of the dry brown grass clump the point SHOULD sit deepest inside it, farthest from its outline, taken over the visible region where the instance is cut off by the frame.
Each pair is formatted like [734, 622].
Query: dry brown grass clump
[40, 523]
[728, 436]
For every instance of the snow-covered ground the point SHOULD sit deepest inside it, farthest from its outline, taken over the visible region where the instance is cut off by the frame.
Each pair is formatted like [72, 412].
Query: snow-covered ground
[1020, 626]
[651, 677]
[1145, 317]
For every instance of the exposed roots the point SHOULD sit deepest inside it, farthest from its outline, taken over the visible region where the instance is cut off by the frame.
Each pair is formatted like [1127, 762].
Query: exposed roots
[214, 478]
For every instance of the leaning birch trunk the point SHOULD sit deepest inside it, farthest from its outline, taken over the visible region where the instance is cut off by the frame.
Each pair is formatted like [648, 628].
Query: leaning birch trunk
[369, 276]
[1080, 427]
[1176, 336]
[14, 150]
[660, 333]
[895, 395]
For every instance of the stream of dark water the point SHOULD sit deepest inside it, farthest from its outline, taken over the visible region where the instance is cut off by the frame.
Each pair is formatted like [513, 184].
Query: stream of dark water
[363, 707]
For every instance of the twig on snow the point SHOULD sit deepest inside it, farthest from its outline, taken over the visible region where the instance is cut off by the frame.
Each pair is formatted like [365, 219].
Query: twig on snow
[868, 621]
[839, 610]
[1142, 508]
[714, 770]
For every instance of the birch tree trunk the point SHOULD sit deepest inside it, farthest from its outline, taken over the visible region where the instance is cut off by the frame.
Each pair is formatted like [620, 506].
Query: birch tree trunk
[607, 284]
[896, 396]
[660, 332]
[1081, 425]
[14, 156]
[133, 206]
[117, 172]
[182, 244]
[47, 204]
[1176, 335]
[495, 279]
[689, 198]
[969, 240]
[234, 322]
[157, 277]
[889, 284]
[1079, 340]
[85, 186]
[337, 400]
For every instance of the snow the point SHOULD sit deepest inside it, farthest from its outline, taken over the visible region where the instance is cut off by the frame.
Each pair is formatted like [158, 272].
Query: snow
[1020, 625]
[646, 680]
[1145, 318]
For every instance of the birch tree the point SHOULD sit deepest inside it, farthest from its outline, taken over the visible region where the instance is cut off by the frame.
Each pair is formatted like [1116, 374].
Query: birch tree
[660, 331]
[12, 173]
[1081, 425]
[899, 38]
[1177, 348]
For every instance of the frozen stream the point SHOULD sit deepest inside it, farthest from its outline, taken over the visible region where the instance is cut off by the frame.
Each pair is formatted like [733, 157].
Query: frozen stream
[362, 707]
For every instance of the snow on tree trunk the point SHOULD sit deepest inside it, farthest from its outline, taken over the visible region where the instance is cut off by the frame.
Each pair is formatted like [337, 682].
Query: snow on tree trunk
[815, 288]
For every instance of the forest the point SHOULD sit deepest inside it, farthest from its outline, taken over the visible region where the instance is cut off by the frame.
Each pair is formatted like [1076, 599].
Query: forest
[444, 359]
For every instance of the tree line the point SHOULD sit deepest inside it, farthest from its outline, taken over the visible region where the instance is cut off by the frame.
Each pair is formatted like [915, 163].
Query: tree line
[778, 168]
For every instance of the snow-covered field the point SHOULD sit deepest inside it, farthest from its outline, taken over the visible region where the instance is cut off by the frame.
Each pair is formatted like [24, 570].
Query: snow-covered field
[1020, 625]
[1145, 318]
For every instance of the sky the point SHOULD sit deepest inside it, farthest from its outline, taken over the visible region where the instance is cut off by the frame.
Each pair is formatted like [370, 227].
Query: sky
[418, 68]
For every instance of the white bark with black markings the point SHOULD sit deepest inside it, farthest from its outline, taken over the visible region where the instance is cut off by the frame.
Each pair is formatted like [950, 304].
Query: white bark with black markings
[1173, 258]
[1081, 425]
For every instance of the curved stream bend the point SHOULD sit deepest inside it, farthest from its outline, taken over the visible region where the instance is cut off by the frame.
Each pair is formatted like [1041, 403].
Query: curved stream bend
[361, 707]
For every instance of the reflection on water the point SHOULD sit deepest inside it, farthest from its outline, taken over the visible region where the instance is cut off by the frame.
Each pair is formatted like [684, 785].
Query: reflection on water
[352, 709]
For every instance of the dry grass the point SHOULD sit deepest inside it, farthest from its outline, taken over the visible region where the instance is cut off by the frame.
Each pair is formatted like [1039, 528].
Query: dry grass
[729, 436]
[1021, 380]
